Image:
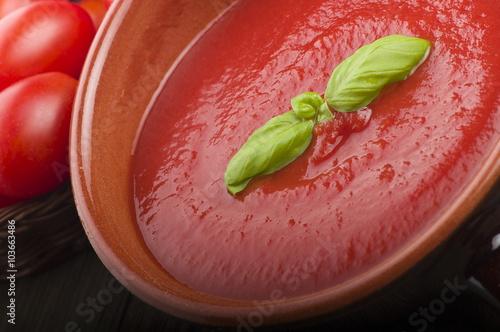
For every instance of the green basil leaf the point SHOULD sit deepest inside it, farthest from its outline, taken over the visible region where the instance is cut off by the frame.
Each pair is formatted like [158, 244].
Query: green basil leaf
[359, 79]
[324, 113]
[273, 146]
[306, 104]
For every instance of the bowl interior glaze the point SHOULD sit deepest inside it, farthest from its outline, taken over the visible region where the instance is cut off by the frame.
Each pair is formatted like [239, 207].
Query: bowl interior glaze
[133, 51]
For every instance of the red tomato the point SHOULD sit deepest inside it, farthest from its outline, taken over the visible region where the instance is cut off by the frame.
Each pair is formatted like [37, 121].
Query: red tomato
[8, 6]
[43, 37]
[7, 201]
[108, 3]
[96, 10]
[35, 118]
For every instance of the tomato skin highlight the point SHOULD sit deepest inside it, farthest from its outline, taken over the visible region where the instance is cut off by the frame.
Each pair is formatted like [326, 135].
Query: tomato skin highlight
[8, 6]
[35, 120]
[46, 36]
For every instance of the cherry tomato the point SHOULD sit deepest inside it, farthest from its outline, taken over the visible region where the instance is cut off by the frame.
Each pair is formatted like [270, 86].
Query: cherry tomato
[42, 37]
[8, 6]
[34, 120]
[108, 3]
[96, 10]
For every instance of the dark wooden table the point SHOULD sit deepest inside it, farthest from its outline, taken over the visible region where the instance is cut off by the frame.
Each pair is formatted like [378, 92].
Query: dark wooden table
[81, 295]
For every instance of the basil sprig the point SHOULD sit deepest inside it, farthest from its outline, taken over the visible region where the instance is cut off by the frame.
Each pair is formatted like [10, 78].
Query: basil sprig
[353, 85]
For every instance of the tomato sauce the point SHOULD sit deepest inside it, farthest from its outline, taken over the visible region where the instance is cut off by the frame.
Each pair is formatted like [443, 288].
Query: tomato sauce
[369, 182]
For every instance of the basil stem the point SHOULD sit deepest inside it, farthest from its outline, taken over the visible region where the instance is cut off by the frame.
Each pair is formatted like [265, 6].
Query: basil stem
[324, 113]
[359, 79]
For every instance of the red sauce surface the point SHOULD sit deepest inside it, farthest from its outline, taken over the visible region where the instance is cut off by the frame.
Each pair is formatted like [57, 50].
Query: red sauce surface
[358, 194]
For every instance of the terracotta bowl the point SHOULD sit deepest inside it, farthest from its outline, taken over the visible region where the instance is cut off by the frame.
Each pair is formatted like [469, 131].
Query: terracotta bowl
[138, 43]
